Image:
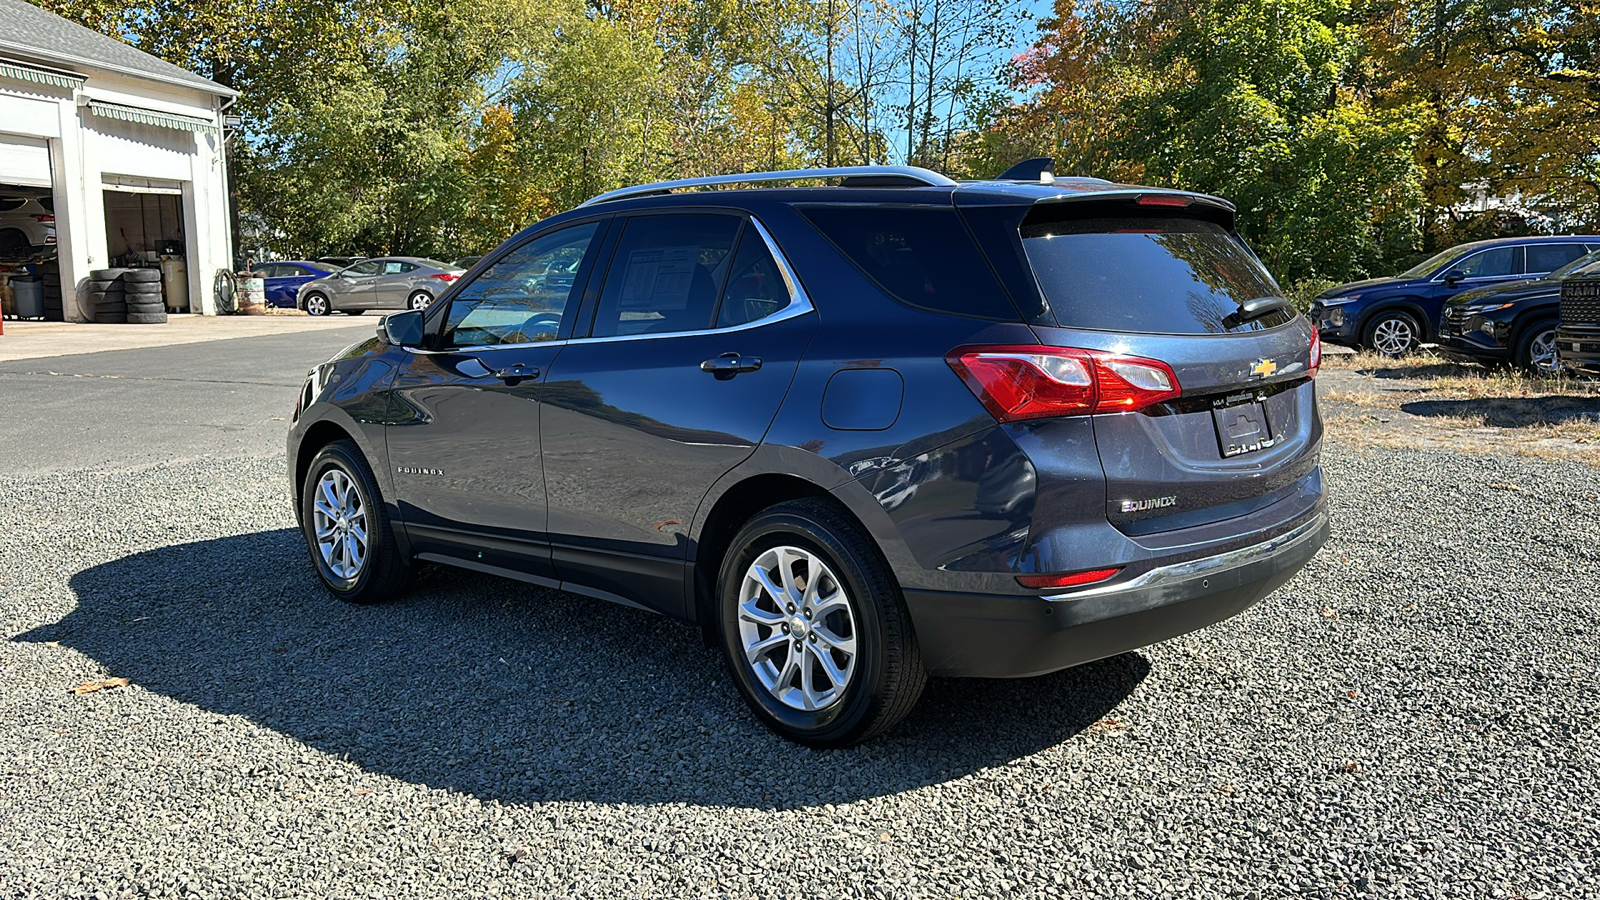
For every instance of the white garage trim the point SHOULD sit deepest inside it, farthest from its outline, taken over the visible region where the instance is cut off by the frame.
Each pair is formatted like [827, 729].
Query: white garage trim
[130, 185]
[18, 72]
[149, 117]
[24, 161]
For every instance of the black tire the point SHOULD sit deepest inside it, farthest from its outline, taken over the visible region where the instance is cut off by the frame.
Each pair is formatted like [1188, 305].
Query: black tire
[385, 572]
[888, 676]
[102, 285]
[106, 274]
[147, 308]
[352, 312]
[1396, 330]
[142, 287]
[142, 276]
[147, 318]
[1523, 352]
[13, 241]
[312, 308]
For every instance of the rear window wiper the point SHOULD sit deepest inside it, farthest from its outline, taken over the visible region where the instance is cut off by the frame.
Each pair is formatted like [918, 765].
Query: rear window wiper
[1250, 310]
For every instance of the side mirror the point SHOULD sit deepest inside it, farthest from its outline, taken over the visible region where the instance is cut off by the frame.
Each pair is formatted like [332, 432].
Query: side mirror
[1454, 277]
[402, 329]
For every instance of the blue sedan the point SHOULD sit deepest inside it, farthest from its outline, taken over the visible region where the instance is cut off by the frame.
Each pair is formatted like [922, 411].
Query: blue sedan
[283, 279]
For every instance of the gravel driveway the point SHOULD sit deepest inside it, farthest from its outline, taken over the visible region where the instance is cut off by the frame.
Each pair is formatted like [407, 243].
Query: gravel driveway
[1415, 715]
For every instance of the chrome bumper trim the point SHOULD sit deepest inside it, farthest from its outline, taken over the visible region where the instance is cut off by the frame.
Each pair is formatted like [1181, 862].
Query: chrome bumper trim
[1205, 566]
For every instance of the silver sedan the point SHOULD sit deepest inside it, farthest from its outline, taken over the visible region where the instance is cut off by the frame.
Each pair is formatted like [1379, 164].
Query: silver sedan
[388, 282]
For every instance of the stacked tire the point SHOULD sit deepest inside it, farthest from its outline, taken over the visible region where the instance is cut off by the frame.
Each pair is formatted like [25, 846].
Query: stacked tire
[131, 296]
[50, 272]
[108, 301]
[143, 290]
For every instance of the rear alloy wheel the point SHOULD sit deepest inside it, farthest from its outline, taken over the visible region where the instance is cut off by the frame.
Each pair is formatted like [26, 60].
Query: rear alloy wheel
[420, 300]
[1536, 350]
[1394, 333]
[347, 529]
[317, 305]
[814, 628]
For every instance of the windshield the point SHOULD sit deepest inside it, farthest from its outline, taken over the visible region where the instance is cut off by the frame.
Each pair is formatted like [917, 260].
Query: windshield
[1152, 275]
[1588, 259]
[1432, 264]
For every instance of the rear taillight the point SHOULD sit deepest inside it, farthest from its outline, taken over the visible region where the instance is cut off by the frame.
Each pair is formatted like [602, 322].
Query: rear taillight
[1316, 350]
[1074, 579]
[47, 220]
[1035, 382]
[445, 277]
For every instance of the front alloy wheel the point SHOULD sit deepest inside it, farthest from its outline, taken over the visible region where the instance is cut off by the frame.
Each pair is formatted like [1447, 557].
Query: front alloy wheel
[1394, 334]
[317, 305]
[347, 528]
[814, 627]
[1538, 354]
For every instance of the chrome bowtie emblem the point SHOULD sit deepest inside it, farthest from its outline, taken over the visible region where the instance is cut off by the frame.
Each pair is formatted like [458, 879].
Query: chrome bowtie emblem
[1263, 368]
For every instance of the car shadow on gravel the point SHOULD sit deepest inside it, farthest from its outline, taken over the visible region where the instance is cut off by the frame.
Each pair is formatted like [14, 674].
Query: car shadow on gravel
[517, 694]
[1511, 412]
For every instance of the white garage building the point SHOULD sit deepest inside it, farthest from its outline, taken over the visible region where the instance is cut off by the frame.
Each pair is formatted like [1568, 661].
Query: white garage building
[128, 147]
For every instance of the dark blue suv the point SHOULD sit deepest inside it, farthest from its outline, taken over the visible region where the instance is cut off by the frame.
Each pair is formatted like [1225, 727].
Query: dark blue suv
[1394, 316]
[859, 433]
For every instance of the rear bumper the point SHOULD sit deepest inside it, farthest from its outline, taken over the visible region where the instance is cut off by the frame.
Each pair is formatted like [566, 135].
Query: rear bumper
[987, 636]
[1578, 347]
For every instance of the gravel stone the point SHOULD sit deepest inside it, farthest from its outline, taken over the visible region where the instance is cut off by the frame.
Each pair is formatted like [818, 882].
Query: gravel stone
[1413, 716]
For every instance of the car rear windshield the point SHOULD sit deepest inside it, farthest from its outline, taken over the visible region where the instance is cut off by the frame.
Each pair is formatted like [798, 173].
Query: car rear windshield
[922, 256]
[1150, 275]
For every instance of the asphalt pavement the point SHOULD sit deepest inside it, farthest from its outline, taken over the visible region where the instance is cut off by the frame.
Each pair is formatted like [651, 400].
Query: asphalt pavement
[1416, 715]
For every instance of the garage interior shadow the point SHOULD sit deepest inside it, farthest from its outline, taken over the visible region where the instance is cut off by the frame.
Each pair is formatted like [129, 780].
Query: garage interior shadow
[517, 694]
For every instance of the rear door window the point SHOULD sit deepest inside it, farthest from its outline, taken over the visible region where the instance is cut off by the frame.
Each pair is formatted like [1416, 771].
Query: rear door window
[1550, 257]
[922, 256]
[665, 274]
[1148, 275]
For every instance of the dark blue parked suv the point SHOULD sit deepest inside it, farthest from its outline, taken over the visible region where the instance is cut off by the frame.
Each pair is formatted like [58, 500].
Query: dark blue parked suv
[1396, 315]
[859, 433]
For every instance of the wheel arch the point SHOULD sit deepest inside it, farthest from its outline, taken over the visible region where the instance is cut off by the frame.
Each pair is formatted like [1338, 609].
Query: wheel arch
[727, 514]
[1407, 304]
[321, 432]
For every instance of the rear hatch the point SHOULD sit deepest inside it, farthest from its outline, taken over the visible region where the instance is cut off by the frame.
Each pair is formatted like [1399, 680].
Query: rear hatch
[1162, 277]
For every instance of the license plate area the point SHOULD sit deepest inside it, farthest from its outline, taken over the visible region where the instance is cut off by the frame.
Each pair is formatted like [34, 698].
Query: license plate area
[1242, 424]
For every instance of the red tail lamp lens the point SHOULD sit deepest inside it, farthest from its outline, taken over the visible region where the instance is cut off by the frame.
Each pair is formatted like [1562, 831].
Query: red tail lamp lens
[1035, 382]
[1316, 350]
[1074, 579]
[445, 276]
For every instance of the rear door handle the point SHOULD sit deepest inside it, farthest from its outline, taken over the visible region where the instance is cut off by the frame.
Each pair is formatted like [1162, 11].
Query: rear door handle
[514, 374]
[730, 364]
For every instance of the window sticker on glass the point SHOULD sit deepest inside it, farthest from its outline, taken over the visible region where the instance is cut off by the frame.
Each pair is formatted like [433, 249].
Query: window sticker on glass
[658, 278]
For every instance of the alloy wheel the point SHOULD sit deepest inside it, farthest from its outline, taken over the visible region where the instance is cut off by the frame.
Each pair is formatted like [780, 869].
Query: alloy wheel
[419, 300]
[339, 516]
[317, 305]
[1393, 337]
[1542, 353]
[797, 625]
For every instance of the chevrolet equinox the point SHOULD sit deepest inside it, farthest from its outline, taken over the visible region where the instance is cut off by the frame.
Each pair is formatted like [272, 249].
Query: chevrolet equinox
[860, 432]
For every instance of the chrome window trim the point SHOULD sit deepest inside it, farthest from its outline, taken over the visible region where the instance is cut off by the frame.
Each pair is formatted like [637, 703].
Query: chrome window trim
[1206, 566]
[799, 305]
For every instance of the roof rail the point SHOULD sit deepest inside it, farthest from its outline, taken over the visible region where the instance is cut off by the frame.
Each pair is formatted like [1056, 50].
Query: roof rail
[907, 174]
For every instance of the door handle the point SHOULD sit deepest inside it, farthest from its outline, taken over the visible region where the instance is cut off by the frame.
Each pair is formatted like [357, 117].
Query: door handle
[514, 374]
[730, 364]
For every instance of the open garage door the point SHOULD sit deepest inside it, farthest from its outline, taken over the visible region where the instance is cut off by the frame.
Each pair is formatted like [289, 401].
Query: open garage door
[30, 280]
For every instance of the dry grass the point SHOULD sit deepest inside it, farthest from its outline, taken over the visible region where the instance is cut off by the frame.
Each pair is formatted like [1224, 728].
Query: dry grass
[1427, 401]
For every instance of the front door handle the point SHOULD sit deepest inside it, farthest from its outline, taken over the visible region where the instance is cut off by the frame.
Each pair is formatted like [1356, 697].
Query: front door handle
[730, 364]
[515, 374]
